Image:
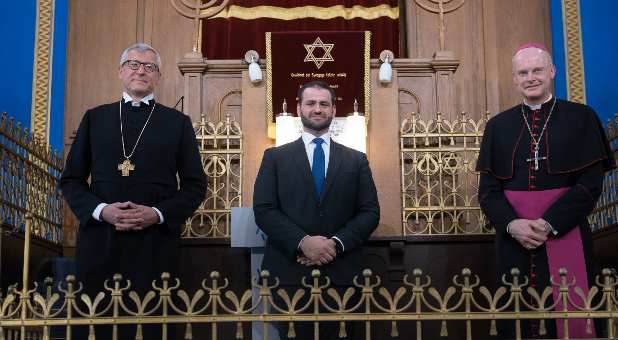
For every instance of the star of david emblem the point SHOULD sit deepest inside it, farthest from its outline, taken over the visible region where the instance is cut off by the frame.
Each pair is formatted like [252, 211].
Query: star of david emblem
[319, 61]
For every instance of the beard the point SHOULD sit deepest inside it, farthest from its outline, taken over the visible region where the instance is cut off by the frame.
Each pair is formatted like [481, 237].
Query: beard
[309, 124]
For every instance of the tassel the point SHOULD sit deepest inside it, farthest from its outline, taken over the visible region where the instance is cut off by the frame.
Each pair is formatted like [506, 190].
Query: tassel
[394, 330]
[239, 333]
[342, 332]
[443, 330]
[493, 330]
[588, 326]
[542, 329]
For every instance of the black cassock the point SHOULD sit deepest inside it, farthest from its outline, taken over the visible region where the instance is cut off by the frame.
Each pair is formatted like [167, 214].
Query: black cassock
[577, 155]
[168, 175]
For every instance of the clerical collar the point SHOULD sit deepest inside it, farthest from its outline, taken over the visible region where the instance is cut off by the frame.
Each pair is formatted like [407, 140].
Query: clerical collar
[538, 106]
[146, 100]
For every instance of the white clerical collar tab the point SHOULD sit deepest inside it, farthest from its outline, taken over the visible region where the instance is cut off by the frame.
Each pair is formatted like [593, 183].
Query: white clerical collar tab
[538, 106]
[146, 100]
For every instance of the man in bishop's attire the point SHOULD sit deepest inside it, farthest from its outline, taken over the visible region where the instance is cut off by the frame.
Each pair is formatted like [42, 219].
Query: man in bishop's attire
[132, 177]
[542, 165]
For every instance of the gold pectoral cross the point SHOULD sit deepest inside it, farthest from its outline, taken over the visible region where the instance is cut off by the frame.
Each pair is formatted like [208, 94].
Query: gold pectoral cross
[125, 167]
[536, 158]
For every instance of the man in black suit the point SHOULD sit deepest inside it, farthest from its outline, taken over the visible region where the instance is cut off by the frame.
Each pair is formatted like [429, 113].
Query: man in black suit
[316, 201]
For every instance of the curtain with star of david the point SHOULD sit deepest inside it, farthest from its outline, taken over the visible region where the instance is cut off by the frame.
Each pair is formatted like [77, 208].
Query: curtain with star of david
[242, 25]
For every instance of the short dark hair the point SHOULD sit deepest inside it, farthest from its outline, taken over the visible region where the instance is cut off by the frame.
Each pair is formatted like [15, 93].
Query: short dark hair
[317, 84]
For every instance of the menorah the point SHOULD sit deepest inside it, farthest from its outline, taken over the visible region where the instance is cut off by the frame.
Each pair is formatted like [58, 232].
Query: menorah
[198, 10]
[441, 7]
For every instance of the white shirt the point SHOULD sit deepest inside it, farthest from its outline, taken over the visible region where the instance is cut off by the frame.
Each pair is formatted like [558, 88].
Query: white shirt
[96, 214]
[310, 148]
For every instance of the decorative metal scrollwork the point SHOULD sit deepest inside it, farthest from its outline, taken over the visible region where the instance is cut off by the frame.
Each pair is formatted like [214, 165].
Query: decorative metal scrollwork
[29, 176]
[220, 145]
[439, 184]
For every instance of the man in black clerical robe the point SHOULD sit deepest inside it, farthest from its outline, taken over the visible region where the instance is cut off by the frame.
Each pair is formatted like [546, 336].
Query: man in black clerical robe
[561, 179]
[132, 177]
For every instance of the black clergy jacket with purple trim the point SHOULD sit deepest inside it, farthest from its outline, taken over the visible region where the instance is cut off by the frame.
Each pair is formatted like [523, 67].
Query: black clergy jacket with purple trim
[575, 154]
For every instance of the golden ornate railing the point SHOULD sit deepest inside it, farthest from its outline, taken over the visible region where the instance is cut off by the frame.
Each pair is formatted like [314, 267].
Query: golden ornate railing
[438, 183]
[29, 175]
[366, 301]
[220, 145]
[606, 212]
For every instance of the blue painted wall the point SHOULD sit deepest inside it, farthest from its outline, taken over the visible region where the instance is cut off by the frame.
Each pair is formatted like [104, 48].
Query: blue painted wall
[599, 33]
[17, 34]
[600, 50]
[558, 53]
[61, 25]
[17, 25]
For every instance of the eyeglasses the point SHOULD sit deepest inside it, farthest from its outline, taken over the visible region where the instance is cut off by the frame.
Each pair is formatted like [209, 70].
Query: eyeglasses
[135, 64]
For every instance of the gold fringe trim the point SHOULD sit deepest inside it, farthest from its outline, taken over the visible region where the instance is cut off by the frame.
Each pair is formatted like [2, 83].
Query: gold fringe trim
[367, 77]
[270, 124]
[305, 12]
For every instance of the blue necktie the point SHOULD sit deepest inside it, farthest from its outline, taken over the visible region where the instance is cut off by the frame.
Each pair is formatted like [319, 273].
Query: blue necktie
[317, 171]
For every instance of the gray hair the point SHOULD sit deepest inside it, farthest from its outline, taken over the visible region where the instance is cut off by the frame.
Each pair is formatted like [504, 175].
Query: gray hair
[141, 48]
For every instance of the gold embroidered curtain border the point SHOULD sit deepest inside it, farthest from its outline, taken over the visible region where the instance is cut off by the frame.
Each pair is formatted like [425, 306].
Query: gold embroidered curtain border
[304, 12]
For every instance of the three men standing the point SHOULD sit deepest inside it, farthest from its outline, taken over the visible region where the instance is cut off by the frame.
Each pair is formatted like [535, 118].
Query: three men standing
[541, 162]
[542, 165]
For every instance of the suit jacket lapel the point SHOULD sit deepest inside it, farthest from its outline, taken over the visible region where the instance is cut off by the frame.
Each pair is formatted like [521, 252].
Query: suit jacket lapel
[299, 154]
[334, 161]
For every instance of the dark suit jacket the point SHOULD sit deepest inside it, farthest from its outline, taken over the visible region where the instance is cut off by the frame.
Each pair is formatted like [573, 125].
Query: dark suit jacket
[286, 209]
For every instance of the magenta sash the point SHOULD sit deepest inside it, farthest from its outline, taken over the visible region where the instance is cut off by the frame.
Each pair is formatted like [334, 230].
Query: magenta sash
[564, 252]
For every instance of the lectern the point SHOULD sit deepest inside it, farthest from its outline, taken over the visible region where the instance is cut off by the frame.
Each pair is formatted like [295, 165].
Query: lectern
[246, 234]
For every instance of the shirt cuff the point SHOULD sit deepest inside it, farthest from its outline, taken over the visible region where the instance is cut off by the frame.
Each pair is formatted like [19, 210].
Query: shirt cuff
[340, 243]
[550, 229]
[96, 214]
[161, 220]
[508, 227]
[301, 241]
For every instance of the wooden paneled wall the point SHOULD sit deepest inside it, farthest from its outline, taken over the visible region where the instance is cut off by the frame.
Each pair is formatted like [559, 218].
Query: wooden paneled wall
[482, 34]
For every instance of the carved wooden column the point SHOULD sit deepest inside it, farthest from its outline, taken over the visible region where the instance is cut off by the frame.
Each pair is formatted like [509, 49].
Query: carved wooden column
[192, 67]
[445, 65]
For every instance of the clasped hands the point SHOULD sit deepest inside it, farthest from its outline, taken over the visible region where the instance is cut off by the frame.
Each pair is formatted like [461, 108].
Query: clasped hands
[317, 250]
[129, 216]
[529, 233]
